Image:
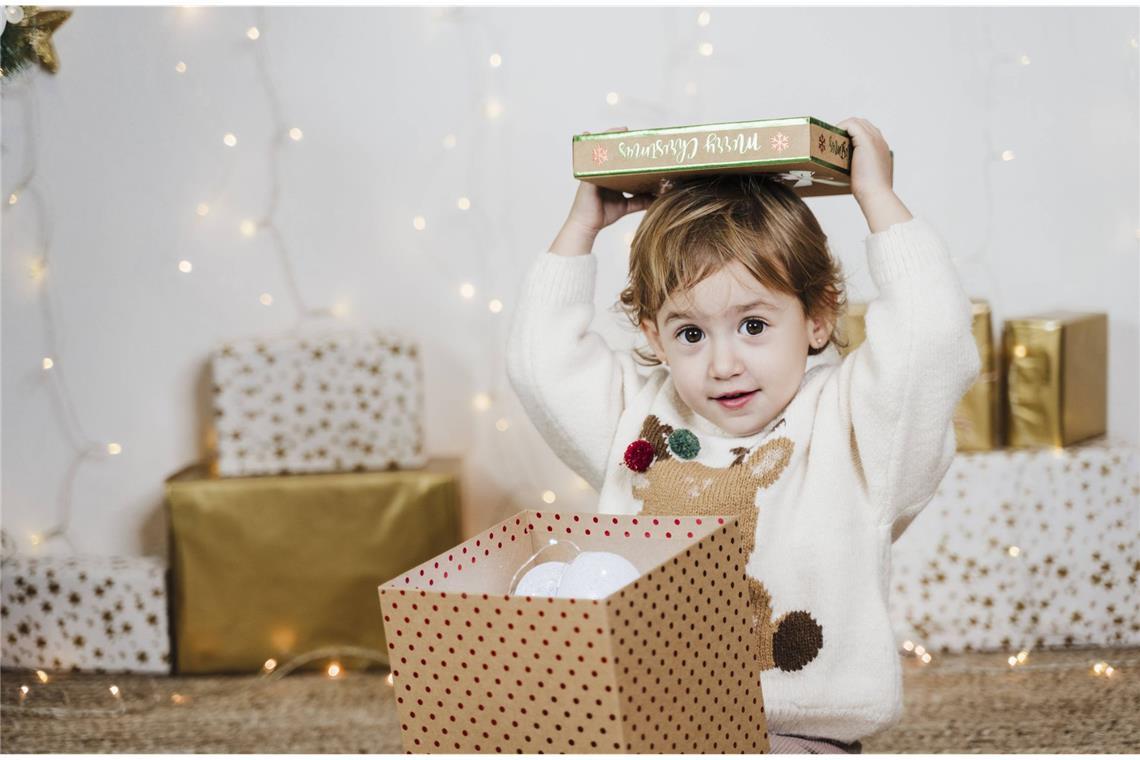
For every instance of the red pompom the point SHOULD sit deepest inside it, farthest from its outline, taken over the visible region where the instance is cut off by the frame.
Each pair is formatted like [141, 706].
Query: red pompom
[639, 455]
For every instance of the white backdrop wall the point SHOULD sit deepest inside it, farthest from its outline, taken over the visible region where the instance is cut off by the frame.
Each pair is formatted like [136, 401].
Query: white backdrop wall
[126, 148]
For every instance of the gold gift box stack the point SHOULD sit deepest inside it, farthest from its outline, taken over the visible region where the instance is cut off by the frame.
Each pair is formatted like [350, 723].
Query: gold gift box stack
[1048, 386]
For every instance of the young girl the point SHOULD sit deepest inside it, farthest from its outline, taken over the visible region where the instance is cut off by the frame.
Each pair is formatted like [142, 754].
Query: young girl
[824, 461]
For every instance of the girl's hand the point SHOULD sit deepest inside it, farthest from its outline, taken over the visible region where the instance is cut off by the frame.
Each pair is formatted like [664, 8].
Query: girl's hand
[871, 164]
[872, 171]
[596, 208]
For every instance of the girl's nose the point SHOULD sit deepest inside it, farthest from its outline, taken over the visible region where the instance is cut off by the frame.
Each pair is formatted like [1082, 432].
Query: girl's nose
[725, 362]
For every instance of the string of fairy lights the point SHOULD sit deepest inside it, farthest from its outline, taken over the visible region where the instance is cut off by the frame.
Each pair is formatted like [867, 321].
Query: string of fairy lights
[489, 404]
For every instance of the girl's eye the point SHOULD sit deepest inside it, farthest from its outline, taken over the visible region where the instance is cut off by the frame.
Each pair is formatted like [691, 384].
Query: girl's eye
[753, 326]
[691, 335]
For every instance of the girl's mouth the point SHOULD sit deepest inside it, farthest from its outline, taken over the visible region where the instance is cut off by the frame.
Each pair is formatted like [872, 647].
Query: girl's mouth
[735, 400]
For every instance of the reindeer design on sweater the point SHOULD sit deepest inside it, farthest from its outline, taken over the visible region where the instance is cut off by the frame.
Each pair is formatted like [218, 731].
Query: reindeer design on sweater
[675, 485]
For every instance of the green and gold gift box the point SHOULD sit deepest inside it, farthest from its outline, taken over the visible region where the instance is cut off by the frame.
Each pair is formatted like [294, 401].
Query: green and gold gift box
[811, 156]
[977, 418]
[1056, 376]
[273, 567]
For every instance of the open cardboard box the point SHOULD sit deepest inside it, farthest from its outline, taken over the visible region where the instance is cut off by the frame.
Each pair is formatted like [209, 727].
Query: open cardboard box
[665, 664]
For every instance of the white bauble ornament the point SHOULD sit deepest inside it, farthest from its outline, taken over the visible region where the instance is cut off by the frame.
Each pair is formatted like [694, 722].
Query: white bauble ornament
[13, 14]
[541, 580]
[596, 575]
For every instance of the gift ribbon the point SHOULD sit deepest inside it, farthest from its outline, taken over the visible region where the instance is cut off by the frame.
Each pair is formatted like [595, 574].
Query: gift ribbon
[805, 178]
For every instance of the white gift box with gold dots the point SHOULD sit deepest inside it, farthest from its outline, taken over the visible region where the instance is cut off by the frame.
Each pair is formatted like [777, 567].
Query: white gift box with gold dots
[1024, 549]
[318, 403]
[104, 614]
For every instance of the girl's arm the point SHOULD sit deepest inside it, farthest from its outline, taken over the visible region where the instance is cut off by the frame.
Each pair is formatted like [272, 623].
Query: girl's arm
[902, 385]
[572, 385]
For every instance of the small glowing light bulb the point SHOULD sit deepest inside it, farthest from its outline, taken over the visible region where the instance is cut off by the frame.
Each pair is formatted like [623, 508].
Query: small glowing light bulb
[419, 223]
[202, 209]
[13, 199]
[391, 679]
[1109, 670]
[1012, 661]
[178, 699]
[270, 665]
[493, 109]
[496, 60]
[449, 142]
[36, 539]
[908, 645]
[703, 18]
[495, 305]
[253, 33]
[334, 670]
[24, 693]
[42, 676]
[248, 228]
[296, 134]
[48, 363]
[266, 299]
[37, 269]
[114, 691]
[1024, 60]
[926, 658]
[114, 448]
[1022, 656]
[705, 49]
[185, 266]
[612, 98]
[481, 402]
[467, 290]
[1099, 667]
[1007, 155]
[180, 67]
[230, 139]
[920, 650]
[502, 424]
[1020, 351]
[1014, 551]
[549, 497]
[464, 203]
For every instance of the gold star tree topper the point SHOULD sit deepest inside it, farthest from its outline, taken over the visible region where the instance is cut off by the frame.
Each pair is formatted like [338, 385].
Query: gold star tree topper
[38, 27]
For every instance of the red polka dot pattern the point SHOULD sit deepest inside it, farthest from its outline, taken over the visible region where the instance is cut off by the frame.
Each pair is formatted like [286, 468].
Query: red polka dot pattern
[663, 665]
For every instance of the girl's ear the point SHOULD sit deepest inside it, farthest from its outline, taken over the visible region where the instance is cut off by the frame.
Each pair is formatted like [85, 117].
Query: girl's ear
[819, 331]
[649, 329]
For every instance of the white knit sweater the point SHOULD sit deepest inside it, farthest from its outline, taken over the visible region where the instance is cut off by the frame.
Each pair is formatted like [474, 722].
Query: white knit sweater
[864, 444]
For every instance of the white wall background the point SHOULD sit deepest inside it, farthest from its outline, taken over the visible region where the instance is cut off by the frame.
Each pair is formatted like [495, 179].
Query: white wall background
[126, 148]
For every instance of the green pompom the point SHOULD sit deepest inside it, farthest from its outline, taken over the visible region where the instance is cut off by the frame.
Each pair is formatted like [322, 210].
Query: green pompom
[684, 444]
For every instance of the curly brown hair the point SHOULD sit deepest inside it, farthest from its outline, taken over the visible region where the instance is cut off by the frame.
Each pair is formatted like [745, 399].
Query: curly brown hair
[700, 225]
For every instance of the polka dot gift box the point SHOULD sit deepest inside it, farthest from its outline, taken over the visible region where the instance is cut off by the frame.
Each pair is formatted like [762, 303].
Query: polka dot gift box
[663, 664]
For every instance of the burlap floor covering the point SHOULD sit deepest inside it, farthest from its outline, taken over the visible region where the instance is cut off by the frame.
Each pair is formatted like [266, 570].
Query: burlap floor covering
[959, 703]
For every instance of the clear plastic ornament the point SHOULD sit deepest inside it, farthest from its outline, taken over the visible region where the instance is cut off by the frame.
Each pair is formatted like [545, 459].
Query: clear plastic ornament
[555, 552]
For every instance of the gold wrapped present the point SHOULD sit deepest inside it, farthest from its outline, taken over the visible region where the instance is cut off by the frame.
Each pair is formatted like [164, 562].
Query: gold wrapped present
[977, 418]
[1056, 374]
[277, 566]
[810, 156]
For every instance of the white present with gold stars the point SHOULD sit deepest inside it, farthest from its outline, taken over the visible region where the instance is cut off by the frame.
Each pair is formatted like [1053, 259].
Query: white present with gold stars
[103, 614]
[1023, 549]
[336, 402]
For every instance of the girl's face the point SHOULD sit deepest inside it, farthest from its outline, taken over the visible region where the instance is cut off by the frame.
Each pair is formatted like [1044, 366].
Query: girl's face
[737, 351]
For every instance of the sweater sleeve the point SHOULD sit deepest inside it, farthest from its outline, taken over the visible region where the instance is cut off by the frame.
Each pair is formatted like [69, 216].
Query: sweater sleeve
[905, 380]
[572, 385]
